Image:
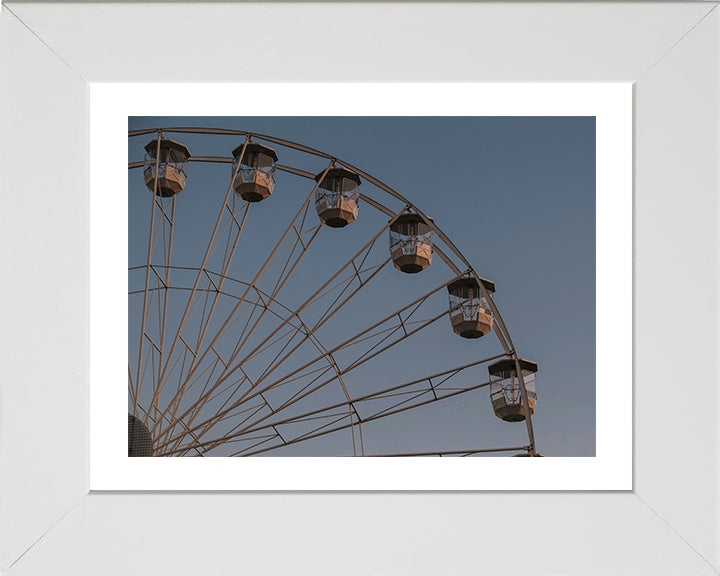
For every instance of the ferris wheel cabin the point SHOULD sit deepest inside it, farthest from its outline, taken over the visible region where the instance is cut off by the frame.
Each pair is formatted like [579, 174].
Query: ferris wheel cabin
[410, 243]
[470, 312]
[170, 165]
[505, 393]
[254, 180]
[336, 197]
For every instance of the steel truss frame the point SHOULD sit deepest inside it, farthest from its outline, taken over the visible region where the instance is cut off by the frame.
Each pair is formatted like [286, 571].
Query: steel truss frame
[186, 427]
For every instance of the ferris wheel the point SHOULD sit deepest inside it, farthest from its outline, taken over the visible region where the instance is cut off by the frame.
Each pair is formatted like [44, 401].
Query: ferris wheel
[283, 301]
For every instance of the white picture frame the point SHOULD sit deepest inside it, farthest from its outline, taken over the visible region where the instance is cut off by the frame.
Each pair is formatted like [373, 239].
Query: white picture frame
[668, 523]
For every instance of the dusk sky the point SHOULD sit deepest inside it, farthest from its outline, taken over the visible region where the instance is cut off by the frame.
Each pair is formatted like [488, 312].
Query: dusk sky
[516, 195]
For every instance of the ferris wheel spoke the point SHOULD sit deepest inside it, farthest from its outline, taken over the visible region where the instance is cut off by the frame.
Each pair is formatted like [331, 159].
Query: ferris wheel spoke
[177, 400]
[206, 375]
[284, 274]
[252, 306]
[345, 283]
[267, 439]
[459, 453]
[502, 334]
[181, 356]
[131, 386]
[407, 402]
[266, 305]
[410, 309]
[387, 410]
[225, 414]
[221, 440]
[373, 406]
[421, 395]
[227, 260]
[167, 252]
[302, 371]
[397, 314]
[223, 355]
[210, 286]
[206, 446]
[204, 399]
[208, 253]
[263, 406]
[211, 395]
[232, 388]
[143, 365]
[246, 333]
[292, 331]
[373, 352]
[206, 317]
[203, 294]
[437, 389]
[321, 430]
[159, 234]
[194, 411]
[275, 435]
[248, 411]
[361, 256]
[357, 263]
[165, 417]
[154, 404]
[162, 379]
[259, 274]
[147, 279]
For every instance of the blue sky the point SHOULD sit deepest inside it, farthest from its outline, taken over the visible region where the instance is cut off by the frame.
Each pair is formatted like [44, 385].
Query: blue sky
[516, 195]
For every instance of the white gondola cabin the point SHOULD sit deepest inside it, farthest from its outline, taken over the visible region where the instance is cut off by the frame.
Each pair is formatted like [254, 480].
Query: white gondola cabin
[410, 243]
[171, 168]
[254, 181]
[336, 197]
[505, 393]
[470, 312]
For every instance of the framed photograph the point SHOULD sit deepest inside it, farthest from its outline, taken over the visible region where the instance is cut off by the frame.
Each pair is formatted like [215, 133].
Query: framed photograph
[621, 229]
[316, 353]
